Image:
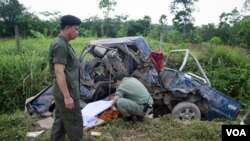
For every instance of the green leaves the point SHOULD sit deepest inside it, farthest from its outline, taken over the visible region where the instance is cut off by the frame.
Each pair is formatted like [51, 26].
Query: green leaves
[14, 127]
[23, 73]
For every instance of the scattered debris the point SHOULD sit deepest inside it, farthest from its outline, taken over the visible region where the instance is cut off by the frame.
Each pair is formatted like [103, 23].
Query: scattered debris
[34, 134]
[95, 133]
[46, 123]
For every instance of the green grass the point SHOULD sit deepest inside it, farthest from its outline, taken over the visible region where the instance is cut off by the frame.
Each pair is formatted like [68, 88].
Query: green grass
[13, 127]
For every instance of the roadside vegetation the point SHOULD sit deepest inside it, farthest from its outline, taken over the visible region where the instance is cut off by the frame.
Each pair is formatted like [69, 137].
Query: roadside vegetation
[24, 73]
[13, 127]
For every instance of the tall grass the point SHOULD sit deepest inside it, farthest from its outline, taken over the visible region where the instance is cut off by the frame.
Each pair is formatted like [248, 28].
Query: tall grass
[22, 75]
[228, 69]
[24, 71]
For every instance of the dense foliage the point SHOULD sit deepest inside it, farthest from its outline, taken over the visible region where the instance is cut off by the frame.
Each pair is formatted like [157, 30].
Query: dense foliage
[233, 28]
[228, 69]
[23, 72]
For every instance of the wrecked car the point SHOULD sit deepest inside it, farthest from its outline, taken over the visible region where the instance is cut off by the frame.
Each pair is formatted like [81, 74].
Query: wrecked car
[185, 95]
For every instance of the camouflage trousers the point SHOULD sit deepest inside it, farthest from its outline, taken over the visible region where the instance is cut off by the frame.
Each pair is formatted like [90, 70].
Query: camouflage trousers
[67, 122]
[128, 107]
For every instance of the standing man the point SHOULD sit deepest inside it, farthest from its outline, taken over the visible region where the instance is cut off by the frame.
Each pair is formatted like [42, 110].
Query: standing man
[132, 99]
[63, 66]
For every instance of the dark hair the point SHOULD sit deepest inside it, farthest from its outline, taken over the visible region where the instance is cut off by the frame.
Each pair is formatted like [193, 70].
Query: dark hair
[118, 77]
[63, 26]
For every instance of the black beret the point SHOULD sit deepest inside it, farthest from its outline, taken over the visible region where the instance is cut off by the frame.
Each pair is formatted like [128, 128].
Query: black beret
[70, 20]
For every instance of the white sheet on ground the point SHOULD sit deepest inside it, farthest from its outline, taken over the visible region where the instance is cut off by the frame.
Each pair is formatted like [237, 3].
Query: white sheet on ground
[91, 110]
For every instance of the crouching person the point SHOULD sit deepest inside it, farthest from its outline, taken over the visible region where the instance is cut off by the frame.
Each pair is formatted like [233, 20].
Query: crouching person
[132, 98]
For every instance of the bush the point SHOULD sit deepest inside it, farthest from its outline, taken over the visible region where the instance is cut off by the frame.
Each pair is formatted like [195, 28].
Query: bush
[228, 70]
[36, 34]
[14, 127]
[215, 41]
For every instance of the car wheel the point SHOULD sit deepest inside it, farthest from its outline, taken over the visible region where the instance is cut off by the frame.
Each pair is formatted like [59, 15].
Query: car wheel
[186, 111]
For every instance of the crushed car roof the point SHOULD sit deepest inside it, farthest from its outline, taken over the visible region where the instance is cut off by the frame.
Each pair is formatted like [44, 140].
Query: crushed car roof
[115, 40]
[138, 40]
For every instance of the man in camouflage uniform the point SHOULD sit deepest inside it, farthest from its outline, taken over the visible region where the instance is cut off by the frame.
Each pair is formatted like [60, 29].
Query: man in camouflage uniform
[132, 98]
[63, 66]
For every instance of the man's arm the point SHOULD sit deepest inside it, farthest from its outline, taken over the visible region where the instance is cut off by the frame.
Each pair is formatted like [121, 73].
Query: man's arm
[61, 81]
[115, 99]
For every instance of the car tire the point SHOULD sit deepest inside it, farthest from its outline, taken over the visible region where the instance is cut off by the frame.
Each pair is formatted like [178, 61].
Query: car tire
[185, 111]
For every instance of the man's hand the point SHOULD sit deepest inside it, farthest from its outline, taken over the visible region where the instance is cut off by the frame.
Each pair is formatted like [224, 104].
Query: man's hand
[113, 108]
[115, 99]
[69, 103]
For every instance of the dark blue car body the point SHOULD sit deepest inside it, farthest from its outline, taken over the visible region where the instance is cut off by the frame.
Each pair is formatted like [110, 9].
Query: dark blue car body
[219, 105]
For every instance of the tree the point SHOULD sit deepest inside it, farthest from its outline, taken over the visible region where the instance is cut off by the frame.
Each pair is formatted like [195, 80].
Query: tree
[246, 6]
[10, 13]
[107, 5]
[121, 27]
[108, 24]
[244, 30]
[227, 31]
[110, 27]
[208, 31]
[141, 26]
[183, 20]
[163, 22]
[144, 25]
[230, 18]
[92, 26]
[51, 25]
